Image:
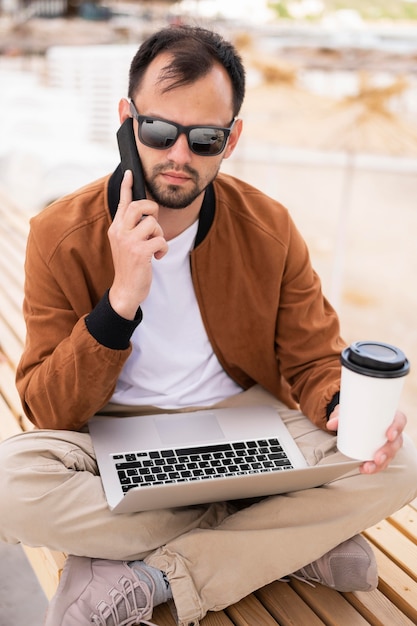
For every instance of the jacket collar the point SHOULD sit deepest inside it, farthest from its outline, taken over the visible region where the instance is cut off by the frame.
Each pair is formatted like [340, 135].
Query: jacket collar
[206, 212]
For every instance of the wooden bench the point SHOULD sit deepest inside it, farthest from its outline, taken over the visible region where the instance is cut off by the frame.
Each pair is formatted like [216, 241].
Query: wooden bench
[284, 604]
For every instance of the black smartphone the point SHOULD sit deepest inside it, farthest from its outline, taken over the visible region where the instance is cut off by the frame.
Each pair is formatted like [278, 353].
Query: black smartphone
[130, 158]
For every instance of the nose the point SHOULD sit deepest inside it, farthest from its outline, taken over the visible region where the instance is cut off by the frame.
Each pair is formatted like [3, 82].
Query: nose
[180, 151]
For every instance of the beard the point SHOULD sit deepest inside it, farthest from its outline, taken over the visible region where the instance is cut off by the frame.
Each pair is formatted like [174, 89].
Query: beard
[175, 196]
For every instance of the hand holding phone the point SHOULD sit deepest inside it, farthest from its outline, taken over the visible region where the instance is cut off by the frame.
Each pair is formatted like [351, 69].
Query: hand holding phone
[134, 241]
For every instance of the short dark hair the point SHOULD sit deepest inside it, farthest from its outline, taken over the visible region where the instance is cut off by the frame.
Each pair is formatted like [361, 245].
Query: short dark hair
[194, 50]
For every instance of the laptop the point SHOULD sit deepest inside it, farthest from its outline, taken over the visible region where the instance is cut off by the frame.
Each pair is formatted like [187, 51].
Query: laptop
[159, 461]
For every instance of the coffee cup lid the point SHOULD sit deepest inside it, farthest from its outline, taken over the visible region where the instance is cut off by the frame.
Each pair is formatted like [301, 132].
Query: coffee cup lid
[374, 358]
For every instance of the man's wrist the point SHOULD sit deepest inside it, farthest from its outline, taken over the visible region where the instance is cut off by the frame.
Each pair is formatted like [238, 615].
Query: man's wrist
[109, 328]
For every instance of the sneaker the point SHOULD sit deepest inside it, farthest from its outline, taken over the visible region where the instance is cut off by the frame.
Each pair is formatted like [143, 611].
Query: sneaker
[100, 592]
[348, 567]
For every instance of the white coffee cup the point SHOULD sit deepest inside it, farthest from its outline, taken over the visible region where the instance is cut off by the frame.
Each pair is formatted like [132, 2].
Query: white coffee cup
[372, 380]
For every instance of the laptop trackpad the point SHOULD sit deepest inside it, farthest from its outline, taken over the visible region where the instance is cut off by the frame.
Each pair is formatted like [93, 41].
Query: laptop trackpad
[179, 429]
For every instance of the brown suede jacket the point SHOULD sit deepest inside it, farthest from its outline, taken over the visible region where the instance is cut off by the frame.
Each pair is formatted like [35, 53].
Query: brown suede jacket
[260, 300]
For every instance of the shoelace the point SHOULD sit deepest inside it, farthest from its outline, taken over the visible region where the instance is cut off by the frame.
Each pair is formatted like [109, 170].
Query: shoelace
[304, 577]
[302, 580]
[126, 592]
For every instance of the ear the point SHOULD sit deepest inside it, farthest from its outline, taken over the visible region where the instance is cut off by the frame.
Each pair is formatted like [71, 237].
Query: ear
[124, 110]
[233, 138]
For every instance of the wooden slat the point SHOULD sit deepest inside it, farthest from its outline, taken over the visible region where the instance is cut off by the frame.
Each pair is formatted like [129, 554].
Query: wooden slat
[163, 617]
[216, 619]
[250, 611]
[8, 424]
[10, 345]
[12, 292]
[329, 605]
[377, 609]
[405, 521]
[12, 216]
[13, 254]
[286, 606]
[8, 389]
[396, 545]
[48, 566]
[14, 242]
[397, 586]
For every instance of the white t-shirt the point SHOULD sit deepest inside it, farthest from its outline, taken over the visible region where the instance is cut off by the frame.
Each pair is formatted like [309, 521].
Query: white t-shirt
[172, 364]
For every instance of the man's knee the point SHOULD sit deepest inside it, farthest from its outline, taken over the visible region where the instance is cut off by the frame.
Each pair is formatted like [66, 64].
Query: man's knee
[34, 466]
[10, 452]
[10, 498]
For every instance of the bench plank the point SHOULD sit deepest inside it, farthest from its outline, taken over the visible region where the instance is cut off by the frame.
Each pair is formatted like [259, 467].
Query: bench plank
[396, 545]
[10, 344]
[287, 607]
[397, 585]
[48, 566]
[377, 609]
[163, 617]
[8, 424]
[405, 521]
[12, 294]
[9, 392]
[250, 611]
[329, 605]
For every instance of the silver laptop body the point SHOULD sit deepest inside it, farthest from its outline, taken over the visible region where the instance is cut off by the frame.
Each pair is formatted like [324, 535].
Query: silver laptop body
[181, 459]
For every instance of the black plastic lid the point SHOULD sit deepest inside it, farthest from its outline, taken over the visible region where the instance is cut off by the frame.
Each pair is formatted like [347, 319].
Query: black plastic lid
[373, 358]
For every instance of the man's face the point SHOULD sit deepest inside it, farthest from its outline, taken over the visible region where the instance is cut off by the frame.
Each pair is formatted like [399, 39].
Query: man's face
[176, 177]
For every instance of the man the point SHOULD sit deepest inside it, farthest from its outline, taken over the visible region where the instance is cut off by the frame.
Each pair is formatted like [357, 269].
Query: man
[200, 295]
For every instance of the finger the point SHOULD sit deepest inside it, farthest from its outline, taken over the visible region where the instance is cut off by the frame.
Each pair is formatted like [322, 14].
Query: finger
[131, 212]
[397, 426]
[383, 457]
[125, 193]
[128, 218]
[151, 231]
[333, 423]
[389, 450]
[369, 467]
[157, 247]
[149, 228]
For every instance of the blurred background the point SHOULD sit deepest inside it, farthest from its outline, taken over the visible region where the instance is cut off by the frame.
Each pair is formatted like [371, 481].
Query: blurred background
[330, 130]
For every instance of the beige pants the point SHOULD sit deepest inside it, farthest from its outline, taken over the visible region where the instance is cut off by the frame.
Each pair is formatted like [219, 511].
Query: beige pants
[213, 555]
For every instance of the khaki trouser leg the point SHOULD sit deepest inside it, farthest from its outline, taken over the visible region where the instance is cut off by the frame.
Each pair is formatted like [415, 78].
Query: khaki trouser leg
[51, 495]
[200, 548]
[210, 569]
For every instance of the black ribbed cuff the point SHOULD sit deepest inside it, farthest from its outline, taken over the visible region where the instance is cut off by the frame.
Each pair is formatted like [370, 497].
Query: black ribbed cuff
[332, 404]
[108, 327]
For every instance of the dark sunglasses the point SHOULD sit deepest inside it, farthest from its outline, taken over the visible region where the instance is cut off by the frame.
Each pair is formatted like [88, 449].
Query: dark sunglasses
[161, 134]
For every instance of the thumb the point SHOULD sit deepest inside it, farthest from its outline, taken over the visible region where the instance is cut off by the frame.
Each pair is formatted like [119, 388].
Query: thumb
[333, 423]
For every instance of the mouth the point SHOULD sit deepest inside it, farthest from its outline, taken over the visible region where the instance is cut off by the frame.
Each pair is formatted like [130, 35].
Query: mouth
[175, 178]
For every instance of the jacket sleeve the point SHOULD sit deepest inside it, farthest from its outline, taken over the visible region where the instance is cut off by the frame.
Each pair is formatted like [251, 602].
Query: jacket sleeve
[68, 370]
[308, 341]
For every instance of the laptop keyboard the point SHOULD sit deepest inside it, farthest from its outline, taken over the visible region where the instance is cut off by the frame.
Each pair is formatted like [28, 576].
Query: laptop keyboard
[161, 467]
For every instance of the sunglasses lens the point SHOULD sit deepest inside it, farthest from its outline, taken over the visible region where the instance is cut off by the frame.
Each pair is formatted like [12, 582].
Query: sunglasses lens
[209, 141]
[157, 133]
[162, 135]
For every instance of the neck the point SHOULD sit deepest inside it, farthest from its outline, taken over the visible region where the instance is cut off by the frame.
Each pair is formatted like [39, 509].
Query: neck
[174, 221]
